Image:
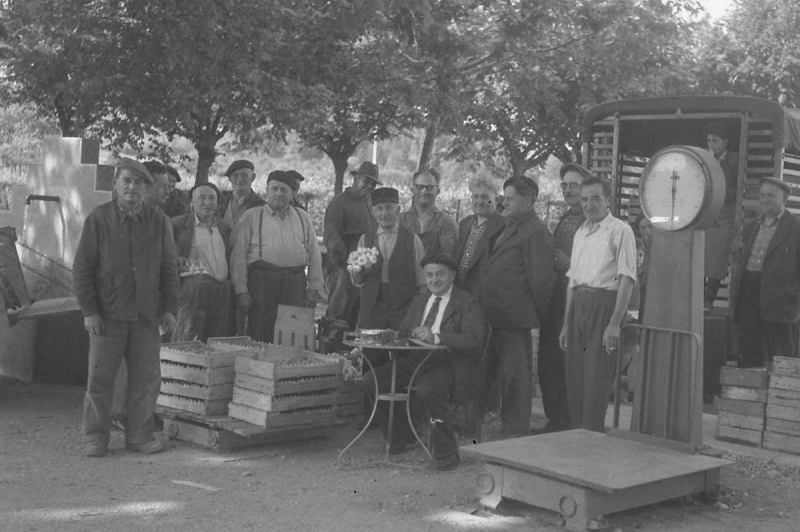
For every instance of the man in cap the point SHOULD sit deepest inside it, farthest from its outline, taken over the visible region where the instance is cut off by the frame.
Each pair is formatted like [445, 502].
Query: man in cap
[388, 287]
[348, 217]
[768, 280]
[276, 258]
[236, 202]
[178, 200]
[203, 242]
[601, 275]
[126, 281]
[158, 191]
[453, 318]
[515, 297]
[437, 231]
[720, 234]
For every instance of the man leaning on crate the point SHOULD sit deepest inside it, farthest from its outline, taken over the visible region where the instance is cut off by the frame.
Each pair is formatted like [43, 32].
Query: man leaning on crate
[126, 280]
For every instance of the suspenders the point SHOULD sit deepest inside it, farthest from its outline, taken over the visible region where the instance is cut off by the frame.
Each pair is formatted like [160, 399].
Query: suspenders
[261, 234]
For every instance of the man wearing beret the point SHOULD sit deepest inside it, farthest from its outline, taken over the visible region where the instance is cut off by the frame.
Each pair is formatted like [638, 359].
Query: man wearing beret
[126, 281]
[178, 200]
[388, 287]
[348, 217]
[768, 280]
[203, 243]
[275, 258]
[236, 202]
[453, 318]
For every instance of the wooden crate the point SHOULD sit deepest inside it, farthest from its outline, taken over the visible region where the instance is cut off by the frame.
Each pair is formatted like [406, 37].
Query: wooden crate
[782, 442]
[741, 409]
[744, 378]
[350, 403]
[212, 392]
[287, 386]
[261, 418]
[282, 403]
[740, 435]
[786, 366]
[280, 367]
[200, 355]
[194, 374]
[196, 406]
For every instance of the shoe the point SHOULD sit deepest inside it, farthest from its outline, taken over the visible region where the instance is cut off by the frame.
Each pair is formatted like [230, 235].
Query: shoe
[447, 463]
[95, 449]
[156, 445]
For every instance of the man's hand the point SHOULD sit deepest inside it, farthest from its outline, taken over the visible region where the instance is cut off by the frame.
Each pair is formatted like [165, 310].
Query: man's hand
[94, 325]
[562, 338]
[561, 260]
[313, 297]
[168, 322]
[611, 339]
[244, 301]
[423, 334]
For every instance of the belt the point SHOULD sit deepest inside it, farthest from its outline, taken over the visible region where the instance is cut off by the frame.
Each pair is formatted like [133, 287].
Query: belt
[584, 289]
[288, 270]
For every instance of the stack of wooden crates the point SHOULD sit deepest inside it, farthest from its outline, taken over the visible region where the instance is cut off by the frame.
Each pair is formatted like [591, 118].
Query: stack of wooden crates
[742, 405]
[782, 432]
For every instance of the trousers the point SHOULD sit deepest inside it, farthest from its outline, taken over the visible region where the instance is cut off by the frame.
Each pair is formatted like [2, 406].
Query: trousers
[551, 360]
[510, 366]
[205, 309]
[344, 298]
[268, 289]
[138, 343]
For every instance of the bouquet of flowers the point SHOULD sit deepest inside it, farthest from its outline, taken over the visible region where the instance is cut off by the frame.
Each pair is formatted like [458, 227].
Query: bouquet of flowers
[362, 258]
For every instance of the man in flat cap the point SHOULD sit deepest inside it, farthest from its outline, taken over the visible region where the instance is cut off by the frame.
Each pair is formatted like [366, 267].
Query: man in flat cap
[158, 190]
[453, 318]
[126, 280]
[348, 217]
[234, 203]
[768, 280]
[276, 258]
[203, 241]
[388, 287]
[178, 200]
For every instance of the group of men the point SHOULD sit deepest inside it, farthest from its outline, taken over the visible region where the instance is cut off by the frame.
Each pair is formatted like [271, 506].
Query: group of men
[225, 264]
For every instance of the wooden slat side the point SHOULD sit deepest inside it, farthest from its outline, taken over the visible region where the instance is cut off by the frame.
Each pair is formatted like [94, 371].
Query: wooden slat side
[758, 395]
[741, 421]
[197, 391]
[783, 412]
[739, 435]
[747, 378]
[747, 408]
[197, 375]
[784, 382]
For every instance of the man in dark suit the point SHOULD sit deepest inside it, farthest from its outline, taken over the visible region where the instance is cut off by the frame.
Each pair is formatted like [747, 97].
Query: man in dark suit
[476, 233]
[768, 304]
[515, 296]
[203, 242]
[451, 317]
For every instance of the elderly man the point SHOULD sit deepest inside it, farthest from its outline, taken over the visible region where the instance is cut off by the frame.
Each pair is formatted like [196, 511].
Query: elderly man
[234, 203]
[551, 357]
[601, 275]
[178, 201]
[347, 218]
[437, 230]
[388, 287]
[274, 246]
[158, 191]
[719, 236]
[203, 242]
[476, 234]
[768, 303]
[126, 281]
[515, 296]
[453, 318]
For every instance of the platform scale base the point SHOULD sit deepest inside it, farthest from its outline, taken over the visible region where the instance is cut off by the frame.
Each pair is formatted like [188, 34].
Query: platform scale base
[584, 476]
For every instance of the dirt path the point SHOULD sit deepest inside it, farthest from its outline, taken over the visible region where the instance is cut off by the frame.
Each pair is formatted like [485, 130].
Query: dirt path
[46, 484]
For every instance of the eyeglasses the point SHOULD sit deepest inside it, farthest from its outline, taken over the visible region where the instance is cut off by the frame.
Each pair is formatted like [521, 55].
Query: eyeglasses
[570, 186]
[424, 188]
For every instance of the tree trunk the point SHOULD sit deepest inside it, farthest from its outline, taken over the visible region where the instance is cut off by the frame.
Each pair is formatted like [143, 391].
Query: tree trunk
[206, 154]
[427, 144]
[340, 167]
[518, 165]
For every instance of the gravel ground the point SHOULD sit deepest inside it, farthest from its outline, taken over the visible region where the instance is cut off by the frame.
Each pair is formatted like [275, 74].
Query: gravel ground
[47, 485]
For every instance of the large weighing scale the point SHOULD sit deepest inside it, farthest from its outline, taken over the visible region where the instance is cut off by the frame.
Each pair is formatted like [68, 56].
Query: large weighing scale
[585, 475]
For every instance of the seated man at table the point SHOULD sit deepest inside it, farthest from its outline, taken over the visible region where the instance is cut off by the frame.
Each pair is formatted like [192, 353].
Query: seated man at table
[450, 317]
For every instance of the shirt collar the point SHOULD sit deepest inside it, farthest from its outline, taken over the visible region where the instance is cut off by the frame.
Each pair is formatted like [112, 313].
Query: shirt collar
[775, 220]
[602, 224]
[123, 213]
[197, 221]
[394, 229]
[444, 296]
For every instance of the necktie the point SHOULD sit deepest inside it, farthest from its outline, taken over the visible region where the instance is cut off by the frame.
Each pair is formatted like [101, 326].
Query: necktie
[430, 319]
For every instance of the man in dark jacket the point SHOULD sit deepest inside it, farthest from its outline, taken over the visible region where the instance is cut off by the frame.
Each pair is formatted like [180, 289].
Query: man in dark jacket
[126, 280]
[348, 217]
[234, 203]
[768, 303]
[453, 318]
[177, 203]
[203, 242]
[476, 234]
[515, 297]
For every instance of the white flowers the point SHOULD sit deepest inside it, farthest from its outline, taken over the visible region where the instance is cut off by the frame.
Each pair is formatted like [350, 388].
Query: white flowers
[362, 258]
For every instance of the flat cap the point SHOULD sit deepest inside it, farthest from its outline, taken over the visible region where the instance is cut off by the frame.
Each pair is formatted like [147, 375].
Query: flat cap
[136, 167]
[367, 169]
[284, 177]
[239, 164]
[440, 258]
[385, 195]
[778, 183]
[297, 175]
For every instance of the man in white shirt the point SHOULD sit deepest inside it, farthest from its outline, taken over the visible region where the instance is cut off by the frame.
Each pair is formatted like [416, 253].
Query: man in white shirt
[601, 275]
[275, 258]
[447, 316]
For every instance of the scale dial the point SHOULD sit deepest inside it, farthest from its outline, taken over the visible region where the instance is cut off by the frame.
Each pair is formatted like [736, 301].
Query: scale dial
[682, 187]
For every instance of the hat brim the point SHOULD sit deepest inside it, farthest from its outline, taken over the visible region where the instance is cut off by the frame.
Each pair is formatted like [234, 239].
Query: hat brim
[356, 174]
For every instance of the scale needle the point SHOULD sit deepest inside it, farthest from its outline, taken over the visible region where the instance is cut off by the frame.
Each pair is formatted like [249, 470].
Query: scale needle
[674, 178]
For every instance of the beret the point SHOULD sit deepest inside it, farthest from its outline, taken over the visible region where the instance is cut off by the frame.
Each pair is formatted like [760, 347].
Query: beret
[239, 164]
[367, 169]
[777, 182]
[440, 258]
[284, 177]
[136, 167]
[297, 175]
[385, 195]
[209, 185]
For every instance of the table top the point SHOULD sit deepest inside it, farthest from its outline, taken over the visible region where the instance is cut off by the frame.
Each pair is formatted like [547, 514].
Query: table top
[413, 345]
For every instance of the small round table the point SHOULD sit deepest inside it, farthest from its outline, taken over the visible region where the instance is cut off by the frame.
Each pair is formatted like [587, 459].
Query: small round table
[395, 351]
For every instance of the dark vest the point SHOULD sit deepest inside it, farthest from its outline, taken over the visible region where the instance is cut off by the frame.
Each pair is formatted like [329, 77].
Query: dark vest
[402, 281]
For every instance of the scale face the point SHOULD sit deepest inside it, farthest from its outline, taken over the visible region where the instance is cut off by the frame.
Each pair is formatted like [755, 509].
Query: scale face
[682, 187]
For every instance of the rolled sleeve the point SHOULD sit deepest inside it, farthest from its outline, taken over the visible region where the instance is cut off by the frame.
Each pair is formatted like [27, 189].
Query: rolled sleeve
[626, 254]
[315, 280]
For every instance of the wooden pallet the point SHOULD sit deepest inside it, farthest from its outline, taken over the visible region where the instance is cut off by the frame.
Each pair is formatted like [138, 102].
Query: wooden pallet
[223, 434]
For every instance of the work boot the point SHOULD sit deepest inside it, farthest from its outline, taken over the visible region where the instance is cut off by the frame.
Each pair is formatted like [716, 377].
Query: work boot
[156, 445]
[95, 448]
